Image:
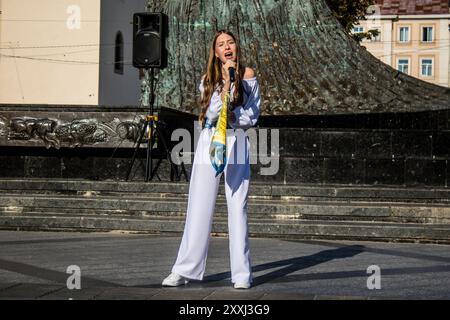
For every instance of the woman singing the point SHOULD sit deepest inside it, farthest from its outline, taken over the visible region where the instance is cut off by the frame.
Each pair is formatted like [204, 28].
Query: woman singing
[243, 101]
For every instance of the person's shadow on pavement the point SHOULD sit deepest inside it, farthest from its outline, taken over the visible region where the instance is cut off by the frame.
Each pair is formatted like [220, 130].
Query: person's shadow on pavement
[291, 265]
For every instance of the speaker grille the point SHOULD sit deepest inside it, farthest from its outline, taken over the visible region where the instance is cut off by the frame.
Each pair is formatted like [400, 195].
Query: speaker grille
[148, 47]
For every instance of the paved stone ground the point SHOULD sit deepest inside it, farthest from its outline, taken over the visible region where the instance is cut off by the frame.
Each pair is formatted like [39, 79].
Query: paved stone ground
[131, 266]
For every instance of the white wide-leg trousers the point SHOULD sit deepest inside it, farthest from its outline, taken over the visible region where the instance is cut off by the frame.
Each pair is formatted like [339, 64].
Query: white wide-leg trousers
[203, 189]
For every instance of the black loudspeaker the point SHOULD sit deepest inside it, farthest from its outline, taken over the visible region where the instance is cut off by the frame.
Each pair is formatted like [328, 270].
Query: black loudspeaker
[150, 31]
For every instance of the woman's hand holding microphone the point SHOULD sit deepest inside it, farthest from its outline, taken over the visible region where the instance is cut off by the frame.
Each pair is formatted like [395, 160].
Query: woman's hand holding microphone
[226, 88]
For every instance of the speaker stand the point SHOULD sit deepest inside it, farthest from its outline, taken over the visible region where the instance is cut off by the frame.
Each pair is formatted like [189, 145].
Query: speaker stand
[154, 131]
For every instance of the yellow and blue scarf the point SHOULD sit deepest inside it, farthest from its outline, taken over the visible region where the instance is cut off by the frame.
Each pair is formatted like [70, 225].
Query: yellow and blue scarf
[218, 147]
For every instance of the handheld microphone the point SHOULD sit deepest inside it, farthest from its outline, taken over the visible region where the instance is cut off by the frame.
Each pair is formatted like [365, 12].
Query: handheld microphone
[232, 74]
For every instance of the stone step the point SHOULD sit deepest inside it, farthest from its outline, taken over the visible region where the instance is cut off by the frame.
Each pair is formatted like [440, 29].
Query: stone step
[402, 217]
[220, 196]
[93, 196]
[262, 190]
[276, 210]
[299, 229]
[298, 209]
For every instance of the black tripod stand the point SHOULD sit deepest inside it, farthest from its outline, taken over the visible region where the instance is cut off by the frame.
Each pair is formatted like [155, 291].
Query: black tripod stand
[153, 130]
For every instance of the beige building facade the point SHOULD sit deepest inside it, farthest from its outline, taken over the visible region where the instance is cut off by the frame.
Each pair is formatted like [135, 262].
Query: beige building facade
[418, 45]
[62, 52]
[49, 51]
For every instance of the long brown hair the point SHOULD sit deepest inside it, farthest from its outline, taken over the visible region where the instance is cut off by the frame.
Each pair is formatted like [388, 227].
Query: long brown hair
[213, 76]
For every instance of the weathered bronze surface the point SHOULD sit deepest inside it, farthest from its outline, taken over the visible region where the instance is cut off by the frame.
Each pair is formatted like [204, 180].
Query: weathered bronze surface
[305, 62]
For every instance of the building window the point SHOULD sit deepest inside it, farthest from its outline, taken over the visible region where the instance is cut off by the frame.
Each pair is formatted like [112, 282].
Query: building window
[427, 67]
[358, 29]
[404, 34]
[403, 65]
[118, 54]
[427, 34]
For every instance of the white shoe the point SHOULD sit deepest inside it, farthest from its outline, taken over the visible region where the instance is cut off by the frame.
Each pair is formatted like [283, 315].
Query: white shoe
[243, 285]
[174, 280]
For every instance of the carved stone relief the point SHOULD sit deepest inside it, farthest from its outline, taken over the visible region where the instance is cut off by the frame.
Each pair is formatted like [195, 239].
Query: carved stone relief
[56, 133]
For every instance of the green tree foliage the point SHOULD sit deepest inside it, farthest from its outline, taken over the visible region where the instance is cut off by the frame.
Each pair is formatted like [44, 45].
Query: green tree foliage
[349, 12]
